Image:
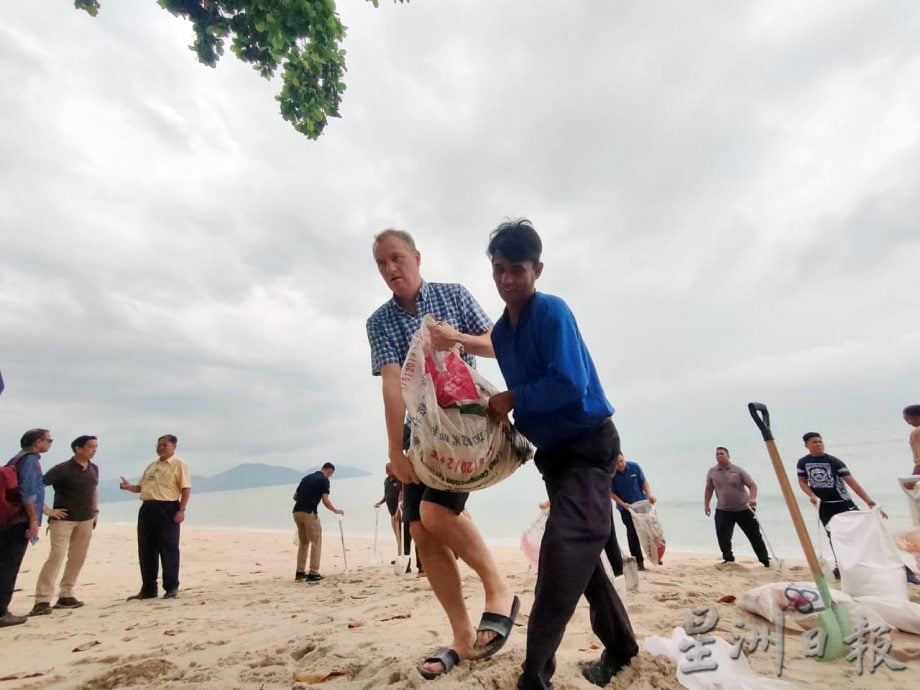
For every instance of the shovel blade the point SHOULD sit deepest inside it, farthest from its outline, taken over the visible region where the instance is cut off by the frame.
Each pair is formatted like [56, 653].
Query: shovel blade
[830, 622]
[402, 565]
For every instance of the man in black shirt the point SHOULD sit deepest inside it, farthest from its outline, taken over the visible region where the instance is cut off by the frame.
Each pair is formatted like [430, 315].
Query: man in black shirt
[312, 489]
[71, 523]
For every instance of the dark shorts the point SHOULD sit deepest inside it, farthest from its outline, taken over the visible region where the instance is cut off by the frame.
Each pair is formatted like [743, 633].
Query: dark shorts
[414, 494]
[828, 510]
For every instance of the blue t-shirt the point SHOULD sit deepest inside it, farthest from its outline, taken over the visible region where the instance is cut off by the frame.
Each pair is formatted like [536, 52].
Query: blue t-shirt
[310, 492]
[390, 328]
[628, 484]
[557, 393]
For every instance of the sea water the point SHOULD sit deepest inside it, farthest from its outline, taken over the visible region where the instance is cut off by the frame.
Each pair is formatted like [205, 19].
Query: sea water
[503, 512]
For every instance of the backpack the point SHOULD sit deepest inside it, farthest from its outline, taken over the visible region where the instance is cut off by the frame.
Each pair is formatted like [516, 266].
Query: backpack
[10, 498]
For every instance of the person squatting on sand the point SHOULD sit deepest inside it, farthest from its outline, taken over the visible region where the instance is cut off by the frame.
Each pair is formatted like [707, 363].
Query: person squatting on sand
[736, 499]
[164, 492]
[560, 406]
[435, 517]
[23, 526]
[628, 486]
[71, 523]
[312, 489]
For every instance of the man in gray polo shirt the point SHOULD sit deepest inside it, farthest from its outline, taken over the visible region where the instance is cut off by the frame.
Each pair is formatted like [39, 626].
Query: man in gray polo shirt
[736, 498]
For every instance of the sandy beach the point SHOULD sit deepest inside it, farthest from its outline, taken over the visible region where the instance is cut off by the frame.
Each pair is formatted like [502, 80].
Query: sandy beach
[242, 622]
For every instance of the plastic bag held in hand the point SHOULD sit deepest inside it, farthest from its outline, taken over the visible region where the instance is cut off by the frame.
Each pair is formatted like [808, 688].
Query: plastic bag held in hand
[453, 384]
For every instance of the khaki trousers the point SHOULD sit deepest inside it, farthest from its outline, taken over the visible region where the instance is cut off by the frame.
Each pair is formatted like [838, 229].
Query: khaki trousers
[69, 538]
[310, 537]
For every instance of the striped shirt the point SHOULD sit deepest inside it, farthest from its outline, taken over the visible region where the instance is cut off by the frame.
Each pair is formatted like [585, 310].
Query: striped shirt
[390, 328]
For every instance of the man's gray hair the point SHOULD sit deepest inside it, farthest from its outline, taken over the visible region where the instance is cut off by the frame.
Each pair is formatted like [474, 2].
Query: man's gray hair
[393, 232]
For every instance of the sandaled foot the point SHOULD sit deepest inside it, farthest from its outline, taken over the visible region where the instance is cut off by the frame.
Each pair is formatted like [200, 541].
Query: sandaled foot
[500, 626]
[443, 660]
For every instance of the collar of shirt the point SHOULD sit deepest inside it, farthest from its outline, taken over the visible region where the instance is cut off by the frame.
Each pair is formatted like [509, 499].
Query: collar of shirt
[525, 313]
[420, 300]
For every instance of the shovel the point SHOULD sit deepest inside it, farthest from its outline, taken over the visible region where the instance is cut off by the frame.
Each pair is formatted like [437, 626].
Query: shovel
[775, 563]
[342, 535]
[834, 620]
[402, 564]
[375, 555]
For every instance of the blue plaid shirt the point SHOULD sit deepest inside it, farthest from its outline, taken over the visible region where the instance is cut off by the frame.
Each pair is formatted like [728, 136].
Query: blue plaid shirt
[390, 328]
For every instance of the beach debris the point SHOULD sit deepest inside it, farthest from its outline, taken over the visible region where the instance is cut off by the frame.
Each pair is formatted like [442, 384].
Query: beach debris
[145, 673]
[398, 616]
[86, 645]
[667, 596]
[727, 599]
[311, 678]
[355, 624]
[24, 674]
[170, 632]
[590, 648]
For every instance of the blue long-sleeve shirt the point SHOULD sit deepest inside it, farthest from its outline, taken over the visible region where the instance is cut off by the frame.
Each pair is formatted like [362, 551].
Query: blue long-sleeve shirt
[31, 487]
[557, 393]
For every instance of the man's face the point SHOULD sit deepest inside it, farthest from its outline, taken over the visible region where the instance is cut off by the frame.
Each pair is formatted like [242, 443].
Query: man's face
[43, 445]
[912, 419]
[515, 280]
[621, 463]
[722, 457]
[815, 446]
[87, 450]
[165, 448]
[399, 265]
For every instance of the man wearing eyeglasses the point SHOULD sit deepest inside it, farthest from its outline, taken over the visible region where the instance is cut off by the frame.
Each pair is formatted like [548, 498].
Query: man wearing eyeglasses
[22, 528]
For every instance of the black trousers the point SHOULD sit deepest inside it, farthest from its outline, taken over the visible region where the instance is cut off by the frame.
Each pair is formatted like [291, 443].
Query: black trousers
[12, 549]
[612, 549]
[577, 477]
[632, 537]
[158, 541]
[747, 521]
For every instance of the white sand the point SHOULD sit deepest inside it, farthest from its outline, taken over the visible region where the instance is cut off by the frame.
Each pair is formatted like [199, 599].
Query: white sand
[241, 622]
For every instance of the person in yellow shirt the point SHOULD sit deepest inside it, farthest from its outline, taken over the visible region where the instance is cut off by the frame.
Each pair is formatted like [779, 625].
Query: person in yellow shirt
[164, 491]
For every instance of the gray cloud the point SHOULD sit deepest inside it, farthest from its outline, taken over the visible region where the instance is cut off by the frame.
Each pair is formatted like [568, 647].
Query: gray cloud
[727, 198]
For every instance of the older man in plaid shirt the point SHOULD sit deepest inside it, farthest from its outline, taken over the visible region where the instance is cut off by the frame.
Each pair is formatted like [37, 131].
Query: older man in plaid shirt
[436, 517]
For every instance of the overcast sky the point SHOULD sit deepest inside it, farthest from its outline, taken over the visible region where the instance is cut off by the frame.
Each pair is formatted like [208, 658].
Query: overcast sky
[728, 193]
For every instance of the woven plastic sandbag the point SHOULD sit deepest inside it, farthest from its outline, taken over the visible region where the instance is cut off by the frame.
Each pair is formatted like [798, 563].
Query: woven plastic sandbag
[533, 537]
[454, 448]
[648, 527]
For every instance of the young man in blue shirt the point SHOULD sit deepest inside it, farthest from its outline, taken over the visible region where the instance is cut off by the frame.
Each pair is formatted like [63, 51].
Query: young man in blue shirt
[560, 406]
[628, 486]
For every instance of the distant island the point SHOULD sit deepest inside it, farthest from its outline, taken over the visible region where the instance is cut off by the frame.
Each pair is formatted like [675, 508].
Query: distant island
[246, 476]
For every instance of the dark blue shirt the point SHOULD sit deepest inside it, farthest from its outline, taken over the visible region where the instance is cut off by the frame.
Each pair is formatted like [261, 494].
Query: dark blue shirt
[557, 394]
[628, 484]
[310, 492]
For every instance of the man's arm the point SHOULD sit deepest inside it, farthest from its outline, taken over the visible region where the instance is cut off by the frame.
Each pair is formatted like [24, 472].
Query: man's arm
[752, 491]
[328, 504]
[183, 501]
[394, 410]
[125, 485]
[858, 490]
[707, 497]
[648, 492]
[619, 501]
[444, 336]
[803, 484]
